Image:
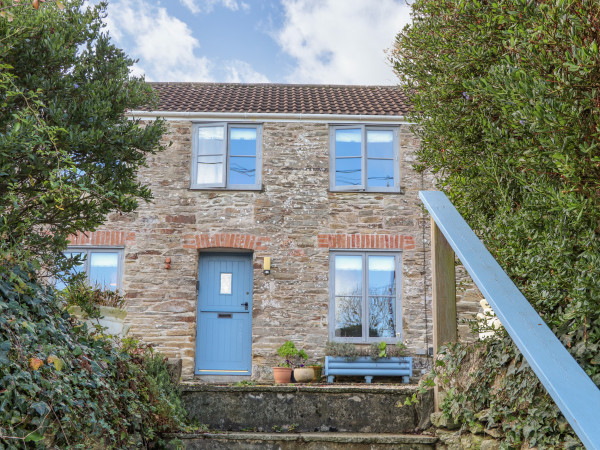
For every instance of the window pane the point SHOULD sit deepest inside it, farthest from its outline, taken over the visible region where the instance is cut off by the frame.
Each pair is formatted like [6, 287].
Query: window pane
[382, 313]
[210, 140]
[242, 170]
[348, 316]
[210, 170]
[380, 144]
[347, 142]
[380, 172]
[226, 283]
[348, 275]
[348, 172]
[382, 275]
[103, 270]
[242, 141]
[73, 271]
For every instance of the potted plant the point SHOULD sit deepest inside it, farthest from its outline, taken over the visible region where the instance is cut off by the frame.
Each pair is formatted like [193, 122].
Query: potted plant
[293, 360]
[302, 372]
[283, 372]
[97, 307]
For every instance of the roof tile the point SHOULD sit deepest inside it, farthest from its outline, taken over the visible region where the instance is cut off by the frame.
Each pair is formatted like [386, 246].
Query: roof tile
[281, 98]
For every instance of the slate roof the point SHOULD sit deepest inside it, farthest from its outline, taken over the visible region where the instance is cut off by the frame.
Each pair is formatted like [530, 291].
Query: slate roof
[281, 98]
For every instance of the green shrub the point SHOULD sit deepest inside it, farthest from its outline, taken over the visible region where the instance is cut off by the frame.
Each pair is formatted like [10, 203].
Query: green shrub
[79, 293]
[505, 97]
[292, 357]
[375, 350]
[62, 386]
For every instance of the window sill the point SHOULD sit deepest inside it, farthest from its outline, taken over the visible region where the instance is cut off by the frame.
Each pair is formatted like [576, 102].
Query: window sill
[338, 191]
[221, 189]
[360, 341]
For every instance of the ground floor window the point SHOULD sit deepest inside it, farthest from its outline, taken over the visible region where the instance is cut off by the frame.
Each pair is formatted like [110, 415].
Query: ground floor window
[365, 296]
[103, 267]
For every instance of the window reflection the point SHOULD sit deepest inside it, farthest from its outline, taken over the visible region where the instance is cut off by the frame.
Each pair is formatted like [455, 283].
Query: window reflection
[365, 296]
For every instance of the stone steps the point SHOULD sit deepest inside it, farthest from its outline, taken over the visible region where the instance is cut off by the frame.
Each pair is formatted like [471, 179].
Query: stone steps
[309, 408]
[304, 441]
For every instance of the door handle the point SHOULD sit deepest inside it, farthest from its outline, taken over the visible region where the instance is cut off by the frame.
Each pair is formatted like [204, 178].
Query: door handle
[245, 304]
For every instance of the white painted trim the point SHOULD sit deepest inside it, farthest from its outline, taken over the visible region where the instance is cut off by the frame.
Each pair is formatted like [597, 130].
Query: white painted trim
[266, 117]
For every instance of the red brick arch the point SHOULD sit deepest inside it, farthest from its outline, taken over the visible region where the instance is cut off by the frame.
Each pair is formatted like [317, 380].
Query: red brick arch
[102, 238]
[225, 240]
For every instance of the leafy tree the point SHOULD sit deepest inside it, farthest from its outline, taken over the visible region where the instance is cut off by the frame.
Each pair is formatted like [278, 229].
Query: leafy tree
[506, 97]
[68, 156]
[68, 153]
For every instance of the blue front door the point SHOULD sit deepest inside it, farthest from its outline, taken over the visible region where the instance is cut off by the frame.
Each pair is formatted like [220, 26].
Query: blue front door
[224, 321]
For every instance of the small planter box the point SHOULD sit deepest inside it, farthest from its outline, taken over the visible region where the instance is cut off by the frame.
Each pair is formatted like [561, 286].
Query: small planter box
[369, 368]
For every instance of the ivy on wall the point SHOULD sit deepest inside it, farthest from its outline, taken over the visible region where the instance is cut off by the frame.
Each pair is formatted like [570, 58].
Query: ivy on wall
[61, 386]
[507, 101]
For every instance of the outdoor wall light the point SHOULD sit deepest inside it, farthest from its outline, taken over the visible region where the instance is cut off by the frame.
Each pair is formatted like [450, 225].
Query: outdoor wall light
[267, 265]
[168, 263]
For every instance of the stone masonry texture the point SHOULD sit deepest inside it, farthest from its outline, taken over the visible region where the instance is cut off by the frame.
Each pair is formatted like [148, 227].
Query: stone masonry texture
[294, 219]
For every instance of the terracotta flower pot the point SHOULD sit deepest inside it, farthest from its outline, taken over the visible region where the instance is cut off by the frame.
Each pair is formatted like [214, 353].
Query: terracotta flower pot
[282, 374]
[303, 374]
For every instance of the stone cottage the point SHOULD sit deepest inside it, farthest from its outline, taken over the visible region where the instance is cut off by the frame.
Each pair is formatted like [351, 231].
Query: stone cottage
[280, 212]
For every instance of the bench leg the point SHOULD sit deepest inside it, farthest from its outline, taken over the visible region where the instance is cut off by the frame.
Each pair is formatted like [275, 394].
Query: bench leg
[405, 380]
[330, 379]
[368, 379]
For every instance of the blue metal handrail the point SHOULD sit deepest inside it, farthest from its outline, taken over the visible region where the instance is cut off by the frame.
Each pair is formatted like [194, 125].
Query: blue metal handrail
[569, 386]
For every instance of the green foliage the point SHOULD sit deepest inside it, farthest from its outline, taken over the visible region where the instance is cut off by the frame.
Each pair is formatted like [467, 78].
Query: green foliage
[292, 356]
[68, 156]
[379, 350]
[68, 153]
[374, 351]
[490, 384]
[89, 298]
[506, 99]
[342, 349]
[62, 386]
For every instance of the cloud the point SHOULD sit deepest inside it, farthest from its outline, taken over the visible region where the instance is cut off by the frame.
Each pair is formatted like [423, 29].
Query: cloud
[164, 44]
[166, 47]
[192, 5]
[341, 41]
[207, 6]
[241, 72]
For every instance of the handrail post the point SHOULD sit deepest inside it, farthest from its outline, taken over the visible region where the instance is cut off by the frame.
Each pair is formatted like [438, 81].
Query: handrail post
[443, 280]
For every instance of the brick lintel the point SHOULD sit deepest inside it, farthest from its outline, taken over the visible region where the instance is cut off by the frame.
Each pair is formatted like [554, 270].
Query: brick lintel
[366, 241]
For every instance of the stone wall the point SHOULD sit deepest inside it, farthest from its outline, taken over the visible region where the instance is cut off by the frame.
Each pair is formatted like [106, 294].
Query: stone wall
[295, 220]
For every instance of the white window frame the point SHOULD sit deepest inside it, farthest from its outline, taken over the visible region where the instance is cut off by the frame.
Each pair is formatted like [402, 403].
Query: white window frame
[225, 184]
[365, 339]
[364, 158]
[86, 263]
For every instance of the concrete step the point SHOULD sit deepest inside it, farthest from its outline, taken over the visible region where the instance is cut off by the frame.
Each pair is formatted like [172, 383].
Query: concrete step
[305, 441]
[308, 408]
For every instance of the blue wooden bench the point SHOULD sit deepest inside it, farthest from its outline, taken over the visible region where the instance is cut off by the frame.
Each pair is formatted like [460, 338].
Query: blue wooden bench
[369, 368]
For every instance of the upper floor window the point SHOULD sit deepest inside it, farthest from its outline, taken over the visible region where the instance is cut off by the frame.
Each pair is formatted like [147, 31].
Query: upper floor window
[365, 296]
[103, 267]
[364, 158]
[227, 156]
